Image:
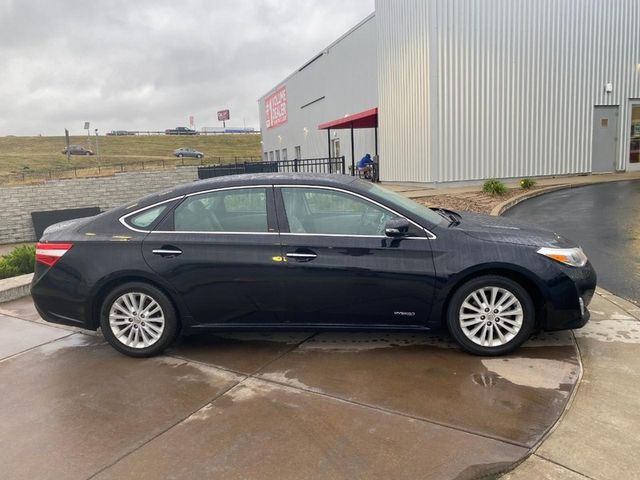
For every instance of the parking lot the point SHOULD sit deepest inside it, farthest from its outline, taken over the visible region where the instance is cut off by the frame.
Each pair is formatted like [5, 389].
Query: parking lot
[603, 219]
[290, 405]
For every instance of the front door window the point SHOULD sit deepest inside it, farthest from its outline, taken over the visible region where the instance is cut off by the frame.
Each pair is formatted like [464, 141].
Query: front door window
[321, 212]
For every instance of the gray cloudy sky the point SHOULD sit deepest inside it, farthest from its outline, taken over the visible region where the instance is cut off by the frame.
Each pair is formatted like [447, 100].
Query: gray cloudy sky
[149, 64]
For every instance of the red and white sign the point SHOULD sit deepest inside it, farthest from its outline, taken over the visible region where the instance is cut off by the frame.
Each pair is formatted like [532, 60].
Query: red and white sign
[275, 108]
[223, 115]
[191, 121]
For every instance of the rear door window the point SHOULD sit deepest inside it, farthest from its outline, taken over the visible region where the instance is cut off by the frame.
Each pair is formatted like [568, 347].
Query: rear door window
[242, 210]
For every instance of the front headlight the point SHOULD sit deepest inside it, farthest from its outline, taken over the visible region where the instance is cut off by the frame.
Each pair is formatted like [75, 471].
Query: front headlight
[573, 257]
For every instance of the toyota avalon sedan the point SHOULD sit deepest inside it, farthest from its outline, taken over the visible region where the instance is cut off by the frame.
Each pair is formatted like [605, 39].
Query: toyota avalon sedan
[302, 251]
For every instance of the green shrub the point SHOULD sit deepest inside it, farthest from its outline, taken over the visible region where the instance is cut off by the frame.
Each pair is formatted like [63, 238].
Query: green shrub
[527, 183]
[494, 187]
[20, 261]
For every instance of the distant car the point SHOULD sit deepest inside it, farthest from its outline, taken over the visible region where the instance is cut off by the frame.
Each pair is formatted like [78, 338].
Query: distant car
[180, 131]
[77, 150]
[188, 152]
[120, 132]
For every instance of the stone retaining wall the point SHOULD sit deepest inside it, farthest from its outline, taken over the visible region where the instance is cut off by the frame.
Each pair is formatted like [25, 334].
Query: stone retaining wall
[104, 192]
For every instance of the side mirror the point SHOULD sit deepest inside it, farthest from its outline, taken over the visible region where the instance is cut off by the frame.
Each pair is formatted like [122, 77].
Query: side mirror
[397, 227]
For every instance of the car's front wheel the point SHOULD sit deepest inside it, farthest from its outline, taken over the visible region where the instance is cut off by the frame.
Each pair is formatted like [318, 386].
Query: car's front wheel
[491, 315]
[138, 319]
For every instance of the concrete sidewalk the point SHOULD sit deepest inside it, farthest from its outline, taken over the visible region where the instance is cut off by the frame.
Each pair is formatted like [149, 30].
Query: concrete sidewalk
[599, 436]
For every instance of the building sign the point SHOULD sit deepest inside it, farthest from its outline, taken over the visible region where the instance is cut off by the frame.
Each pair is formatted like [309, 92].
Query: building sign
[223, 115]
[275, 108]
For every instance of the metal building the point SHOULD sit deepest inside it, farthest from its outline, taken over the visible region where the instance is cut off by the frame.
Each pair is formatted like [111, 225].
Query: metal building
[473, 89]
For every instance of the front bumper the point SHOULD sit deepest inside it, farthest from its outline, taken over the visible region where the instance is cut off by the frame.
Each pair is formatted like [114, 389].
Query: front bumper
[570, 300]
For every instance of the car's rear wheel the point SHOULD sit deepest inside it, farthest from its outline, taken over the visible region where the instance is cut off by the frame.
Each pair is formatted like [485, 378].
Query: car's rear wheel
[87, 153]
[138, 320]
[491, 315]
[180, 155]
[199, 156]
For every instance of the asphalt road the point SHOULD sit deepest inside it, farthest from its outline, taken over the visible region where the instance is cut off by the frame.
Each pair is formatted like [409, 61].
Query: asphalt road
[605, 220]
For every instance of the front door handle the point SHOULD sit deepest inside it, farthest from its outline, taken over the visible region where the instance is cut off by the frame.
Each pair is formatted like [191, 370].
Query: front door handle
[167, 251]
[302, 257]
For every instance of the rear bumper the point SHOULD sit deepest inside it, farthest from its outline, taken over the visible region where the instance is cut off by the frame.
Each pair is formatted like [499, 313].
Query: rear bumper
[59, 299]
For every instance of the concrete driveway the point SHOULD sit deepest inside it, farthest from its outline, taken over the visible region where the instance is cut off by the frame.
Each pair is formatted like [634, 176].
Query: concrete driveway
[604, 219]
[291, 405]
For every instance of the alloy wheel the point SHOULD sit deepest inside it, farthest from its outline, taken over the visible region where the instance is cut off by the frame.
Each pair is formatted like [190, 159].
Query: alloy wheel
[491, 316]
[136, 320]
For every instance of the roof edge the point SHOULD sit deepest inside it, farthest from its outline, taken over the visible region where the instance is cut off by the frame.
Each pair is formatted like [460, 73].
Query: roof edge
[320, 53]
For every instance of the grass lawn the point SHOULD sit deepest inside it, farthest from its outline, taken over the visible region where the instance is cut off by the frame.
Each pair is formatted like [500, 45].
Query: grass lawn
[40, 154]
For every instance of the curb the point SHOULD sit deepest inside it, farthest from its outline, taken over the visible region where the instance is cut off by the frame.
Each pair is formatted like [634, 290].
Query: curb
[506, 205]
[15, 287]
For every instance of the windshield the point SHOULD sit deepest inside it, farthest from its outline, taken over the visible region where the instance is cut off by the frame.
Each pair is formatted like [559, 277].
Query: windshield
[417, 209]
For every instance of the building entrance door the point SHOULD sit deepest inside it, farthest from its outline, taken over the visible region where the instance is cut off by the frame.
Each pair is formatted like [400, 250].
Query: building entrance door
[634, 138]
[335, 147]
[605, 139]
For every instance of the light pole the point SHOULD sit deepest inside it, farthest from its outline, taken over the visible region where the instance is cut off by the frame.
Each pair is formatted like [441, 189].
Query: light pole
[97, 150]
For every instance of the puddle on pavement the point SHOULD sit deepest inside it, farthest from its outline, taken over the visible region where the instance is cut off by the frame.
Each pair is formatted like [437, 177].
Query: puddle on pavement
[623, 331]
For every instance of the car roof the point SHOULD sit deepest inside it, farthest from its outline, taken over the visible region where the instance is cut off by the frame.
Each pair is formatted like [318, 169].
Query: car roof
[249, 179]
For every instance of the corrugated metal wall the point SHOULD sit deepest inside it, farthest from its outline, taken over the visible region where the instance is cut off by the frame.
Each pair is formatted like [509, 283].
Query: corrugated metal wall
[472, 89]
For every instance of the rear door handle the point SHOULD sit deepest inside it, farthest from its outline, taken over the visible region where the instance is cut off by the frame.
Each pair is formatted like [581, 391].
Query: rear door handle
[167, 251]
[301, 257]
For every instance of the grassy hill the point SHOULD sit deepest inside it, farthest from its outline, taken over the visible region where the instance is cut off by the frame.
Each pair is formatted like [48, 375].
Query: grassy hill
[41, 154]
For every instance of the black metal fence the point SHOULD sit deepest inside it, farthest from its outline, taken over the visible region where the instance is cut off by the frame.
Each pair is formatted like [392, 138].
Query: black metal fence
[313, 165]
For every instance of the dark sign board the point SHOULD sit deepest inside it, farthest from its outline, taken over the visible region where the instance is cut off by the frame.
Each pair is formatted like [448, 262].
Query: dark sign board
[223, 115]
[42, 220]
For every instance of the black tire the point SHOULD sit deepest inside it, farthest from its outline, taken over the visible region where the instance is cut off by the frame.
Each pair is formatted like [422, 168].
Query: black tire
[180, 155]
[199, 156]
[487, 281]
[168, 334]
[87, 153]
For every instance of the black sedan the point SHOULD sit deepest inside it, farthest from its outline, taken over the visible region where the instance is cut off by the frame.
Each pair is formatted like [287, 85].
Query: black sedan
[275, 251]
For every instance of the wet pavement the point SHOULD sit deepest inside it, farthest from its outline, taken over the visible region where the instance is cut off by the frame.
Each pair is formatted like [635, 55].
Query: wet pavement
[604, 219]
[287, 405]
[599, 435]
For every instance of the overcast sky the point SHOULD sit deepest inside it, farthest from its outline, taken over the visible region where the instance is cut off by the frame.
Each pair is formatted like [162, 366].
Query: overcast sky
[149, 64]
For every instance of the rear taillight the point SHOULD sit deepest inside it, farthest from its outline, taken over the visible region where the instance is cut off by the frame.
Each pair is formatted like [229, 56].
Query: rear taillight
[49, 253]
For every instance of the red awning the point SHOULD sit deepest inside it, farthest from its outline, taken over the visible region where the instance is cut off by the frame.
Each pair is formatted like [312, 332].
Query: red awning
[366, 119]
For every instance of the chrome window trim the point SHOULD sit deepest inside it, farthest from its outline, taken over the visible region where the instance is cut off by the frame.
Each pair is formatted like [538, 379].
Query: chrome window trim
[430, 235]
[352, 235]
[195, 232]
[123, 218]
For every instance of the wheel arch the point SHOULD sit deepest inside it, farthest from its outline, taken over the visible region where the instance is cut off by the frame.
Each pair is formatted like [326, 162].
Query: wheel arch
[520, 275]
[108, 284]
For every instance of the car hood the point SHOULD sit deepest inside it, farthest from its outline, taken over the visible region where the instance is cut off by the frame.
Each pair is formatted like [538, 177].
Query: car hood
[500, 229]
